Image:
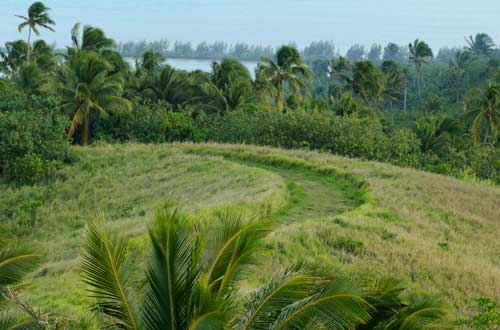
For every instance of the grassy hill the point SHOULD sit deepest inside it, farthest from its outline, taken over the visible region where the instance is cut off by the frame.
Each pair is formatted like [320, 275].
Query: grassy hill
[437, 233]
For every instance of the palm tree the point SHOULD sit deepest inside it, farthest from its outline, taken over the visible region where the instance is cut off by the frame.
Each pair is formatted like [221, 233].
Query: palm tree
[226, 98]
[420, 54]
[14, 56]
[458, 73]
[88, 86]
[38, 16]
[192, 283]
[151, 61]
[228, 86]
[31, 78]
[43, 55]
[341, 70]
[481, 44]
[288, 69]
[368, 82]
[90, 39]
[435, 132]
[395, 81]
[483, 112]
[167, 84]
[229, 70]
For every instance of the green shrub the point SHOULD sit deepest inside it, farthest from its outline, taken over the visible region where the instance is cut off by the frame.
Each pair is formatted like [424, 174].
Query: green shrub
[487, 315]
[30, 169]
[353, 136]
[32, 135]
[147, 124]
[477, 161]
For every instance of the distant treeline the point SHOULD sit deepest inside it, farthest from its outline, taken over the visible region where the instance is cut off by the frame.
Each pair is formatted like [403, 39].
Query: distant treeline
[316, 50]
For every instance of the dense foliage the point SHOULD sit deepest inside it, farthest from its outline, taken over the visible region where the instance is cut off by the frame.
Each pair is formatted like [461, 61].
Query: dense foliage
[33, 140]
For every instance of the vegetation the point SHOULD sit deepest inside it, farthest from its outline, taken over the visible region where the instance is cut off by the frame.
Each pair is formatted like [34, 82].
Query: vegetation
[191, 283]
[328, 233]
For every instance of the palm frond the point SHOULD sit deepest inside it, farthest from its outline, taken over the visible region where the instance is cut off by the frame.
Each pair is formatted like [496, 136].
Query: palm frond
[234, 247]
[17, 259]
[338, 305]
[267, 303]
[173, 272]
[104, 269]
[421, 313]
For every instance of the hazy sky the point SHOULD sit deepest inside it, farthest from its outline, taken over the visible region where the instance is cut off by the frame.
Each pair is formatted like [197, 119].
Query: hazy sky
[439, 22]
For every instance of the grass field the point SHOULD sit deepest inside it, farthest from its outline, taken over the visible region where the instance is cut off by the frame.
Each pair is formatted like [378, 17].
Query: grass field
[437, 233]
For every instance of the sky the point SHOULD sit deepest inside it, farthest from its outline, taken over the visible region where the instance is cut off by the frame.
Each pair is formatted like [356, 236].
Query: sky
[268, 22]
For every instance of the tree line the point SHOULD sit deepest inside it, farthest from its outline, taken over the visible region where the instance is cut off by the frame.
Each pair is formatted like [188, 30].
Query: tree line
[446, 106]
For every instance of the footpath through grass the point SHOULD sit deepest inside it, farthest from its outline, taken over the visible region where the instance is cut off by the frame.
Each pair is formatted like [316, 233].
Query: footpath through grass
[438, 234]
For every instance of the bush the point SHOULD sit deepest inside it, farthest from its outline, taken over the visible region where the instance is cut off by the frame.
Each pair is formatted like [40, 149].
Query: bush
[477, 161]
[147, 124]
[351, 136]
[32, 135]
[487, 315]
[30, 169]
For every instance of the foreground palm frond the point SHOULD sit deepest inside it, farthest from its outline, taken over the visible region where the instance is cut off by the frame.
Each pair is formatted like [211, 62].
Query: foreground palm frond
[104, 269]
[337, 305]
[17, 259]
[234, 247]
[176, 296]
[267, 303]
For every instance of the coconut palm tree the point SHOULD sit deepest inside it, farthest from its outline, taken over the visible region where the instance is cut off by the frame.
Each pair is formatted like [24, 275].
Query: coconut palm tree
[482, 109]
[229, 70]
[341, 70]
[435, 132]
[226, 98]
[287, 70]
[151, 61]
[89, 39]
[43, 55]
[88, 86]
[38, 16]
[395, 81]
[14, 55]
[368, 82]
[167, 84]
[228, 86]
[192, 282]
[420, 54]
[481, 44]
[31, 78]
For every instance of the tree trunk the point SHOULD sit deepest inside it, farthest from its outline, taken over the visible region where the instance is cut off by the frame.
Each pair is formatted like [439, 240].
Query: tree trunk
[418, 87]
[29, 44]
[279, 96]
[405, 99]
[86, 129]
[485, 140]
